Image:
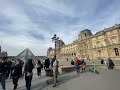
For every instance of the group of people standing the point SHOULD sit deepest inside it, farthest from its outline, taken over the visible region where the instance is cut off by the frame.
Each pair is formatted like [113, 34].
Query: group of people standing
[52, 65]
[10, 69]
[13, 70]
[79, 64]
[109, 64]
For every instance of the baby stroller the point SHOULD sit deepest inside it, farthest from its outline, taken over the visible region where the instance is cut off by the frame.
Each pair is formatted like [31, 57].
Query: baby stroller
[49, 73]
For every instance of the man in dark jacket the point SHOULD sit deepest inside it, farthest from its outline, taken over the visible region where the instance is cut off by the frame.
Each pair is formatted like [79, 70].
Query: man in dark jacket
[16, 74]
[47, 63]
[28, 71]
[110, 63]
[3, 71]
[21, 66]
[9, 68]
[52, 61]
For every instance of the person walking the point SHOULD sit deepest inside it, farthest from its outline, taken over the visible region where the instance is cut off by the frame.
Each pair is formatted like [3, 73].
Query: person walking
[21, 66]
[16, 73]
[28, 70]
[3, 72]
[11, 67]
[39, 67]
[77, 65]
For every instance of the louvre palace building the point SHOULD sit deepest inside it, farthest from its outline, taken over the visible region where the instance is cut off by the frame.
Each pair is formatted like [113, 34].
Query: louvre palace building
[102, 45]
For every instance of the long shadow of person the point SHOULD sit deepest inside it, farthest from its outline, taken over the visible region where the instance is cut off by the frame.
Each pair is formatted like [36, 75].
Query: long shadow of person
[67, 77]
[62, 79]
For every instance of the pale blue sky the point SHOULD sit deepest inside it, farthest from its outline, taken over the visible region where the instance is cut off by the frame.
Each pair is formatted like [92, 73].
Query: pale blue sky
[32, 23]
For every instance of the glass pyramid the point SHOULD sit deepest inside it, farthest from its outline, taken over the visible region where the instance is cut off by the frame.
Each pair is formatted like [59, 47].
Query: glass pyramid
[25, 55]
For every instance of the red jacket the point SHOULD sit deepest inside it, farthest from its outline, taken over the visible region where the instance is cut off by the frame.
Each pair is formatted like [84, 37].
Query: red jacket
[77, 62]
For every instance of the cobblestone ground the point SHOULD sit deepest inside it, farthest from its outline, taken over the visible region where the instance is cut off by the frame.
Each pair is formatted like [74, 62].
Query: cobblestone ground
[106, 80]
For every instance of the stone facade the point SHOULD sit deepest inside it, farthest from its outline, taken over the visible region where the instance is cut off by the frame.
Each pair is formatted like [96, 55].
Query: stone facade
[103, 44]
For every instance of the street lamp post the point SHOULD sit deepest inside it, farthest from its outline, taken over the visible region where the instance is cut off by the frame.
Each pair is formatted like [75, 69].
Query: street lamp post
[55, 39]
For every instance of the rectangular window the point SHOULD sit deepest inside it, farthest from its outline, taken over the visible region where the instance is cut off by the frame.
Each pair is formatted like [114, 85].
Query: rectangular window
[116, 51]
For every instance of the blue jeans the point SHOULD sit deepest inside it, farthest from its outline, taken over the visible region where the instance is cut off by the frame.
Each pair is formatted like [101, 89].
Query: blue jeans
[2, 80]
[77, 68]
[28, 80]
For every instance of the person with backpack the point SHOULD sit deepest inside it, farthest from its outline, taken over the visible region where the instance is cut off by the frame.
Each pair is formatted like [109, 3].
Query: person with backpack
[28, 70]
[3, 72]
[39, 67]
[16, 73]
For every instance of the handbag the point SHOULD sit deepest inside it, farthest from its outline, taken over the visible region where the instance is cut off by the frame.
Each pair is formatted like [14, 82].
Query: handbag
[29, 74]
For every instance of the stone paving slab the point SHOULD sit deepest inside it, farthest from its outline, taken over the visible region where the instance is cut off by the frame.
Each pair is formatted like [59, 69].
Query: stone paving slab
[106, 80]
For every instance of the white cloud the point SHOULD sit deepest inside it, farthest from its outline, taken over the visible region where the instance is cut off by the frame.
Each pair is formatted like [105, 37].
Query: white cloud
[52, 5]
[19, 43]
[44, 18]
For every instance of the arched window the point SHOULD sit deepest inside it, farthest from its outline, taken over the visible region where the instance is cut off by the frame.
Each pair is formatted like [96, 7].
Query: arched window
[116, 51]
[75, 54]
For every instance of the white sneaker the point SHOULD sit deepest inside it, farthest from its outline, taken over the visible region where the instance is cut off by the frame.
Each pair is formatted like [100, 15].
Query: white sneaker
[37, 76]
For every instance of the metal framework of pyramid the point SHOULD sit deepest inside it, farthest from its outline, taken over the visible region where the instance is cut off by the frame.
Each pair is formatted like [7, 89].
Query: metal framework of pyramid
[25, 55]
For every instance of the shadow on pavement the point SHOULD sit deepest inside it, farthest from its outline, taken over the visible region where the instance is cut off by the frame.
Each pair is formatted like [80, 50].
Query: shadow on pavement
[67, 77]
[96, 72]
[38, 78]
[62, 79]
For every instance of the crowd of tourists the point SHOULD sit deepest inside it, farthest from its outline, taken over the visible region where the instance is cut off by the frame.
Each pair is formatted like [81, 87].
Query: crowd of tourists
[80, 65]
[10, 69]
[16, 69]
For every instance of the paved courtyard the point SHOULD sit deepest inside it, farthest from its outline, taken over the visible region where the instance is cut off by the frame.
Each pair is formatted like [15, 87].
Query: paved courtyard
[106, 80]
[68, 63]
